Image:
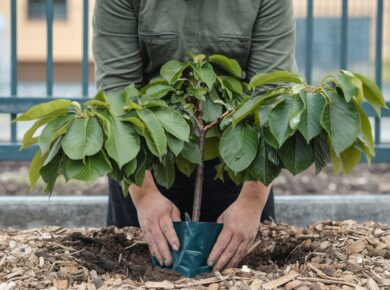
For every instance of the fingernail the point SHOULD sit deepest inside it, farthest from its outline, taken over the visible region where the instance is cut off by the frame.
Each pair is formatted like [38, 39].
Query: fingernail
[175, 247]
[210, 263]
[167, 263]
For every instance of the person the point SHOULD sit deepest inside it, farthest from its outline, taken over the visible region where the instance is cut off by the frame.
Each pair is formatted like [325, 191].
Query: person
[132, 40]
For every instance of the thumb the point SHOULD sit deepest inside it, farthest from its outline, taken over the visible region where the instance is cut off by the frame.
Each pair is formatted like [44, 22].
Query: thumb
[175, 214]
[220, 218]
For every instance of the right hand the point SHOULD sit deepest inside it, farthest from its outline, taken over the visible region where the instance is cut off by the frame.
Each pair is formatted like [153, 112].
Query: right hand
[156, 215]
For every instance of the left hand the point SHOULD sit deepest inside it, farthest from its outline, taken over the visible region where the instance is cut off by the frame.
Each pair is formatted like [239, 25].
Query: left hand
[241, 222]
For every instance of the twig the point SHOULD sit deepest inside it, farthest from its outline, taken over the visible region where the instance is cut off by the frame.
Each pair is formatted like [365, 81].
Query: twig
[217, 121]
[326, 281]
[281, 281]
[322, 274]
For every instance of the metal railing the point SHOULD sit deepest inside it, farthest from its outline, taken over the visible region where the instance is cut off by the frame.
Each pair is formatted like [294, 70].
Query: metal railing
[13, 104]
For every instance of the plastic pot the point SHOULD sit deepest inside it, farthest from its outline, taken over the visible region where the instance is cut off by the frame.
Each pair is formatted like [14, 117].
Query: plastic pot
[196, 242]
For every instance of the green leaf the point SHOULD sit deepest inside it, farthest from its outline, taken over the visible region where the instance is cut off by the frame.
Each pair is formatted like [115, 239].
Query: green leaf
[185, 166]
[122, 144]
[211, 150]
[372, 93]
[363, 148]
[296, 154]
[50, 172]
[238, 178]
[151, 146]
[117, 100]
[132, 106]
[341, 121]
[35, 166]
[172, 70]
[262, 169]
[321, 152]
[50, 132]
[96, 103]
[28, 138]
[140, 172]
[130, 167]
[228, 64]
[274, 77]
[232, 84]
[88, 170]
[135, 121]
[155, 130]
[251, 105]
[158, 91]
[344, 81]
[211, 111]
[310, 123]
[198, 93]
[366, 130]
[131, 91]
[191, 152]
[220, 169]
[164, 173]
[350, 158]
[53, 151]
[173, 123]
[174, 144]
[337, 163]
[280, 118]
[125, 188]
[207, 75]
[269, 138]
[238, 147]
[84, 138]
[56, 107]
[102, 97]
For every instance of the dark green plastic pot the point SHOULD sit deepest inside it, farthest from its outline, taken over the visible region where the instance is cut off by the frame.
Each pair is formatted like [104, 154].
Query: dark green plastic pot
[196, 242]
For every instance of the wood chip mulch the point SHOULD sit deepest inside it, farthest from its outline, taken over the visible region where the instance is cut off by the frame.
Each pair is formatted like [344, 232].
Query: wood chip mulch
[325, 256]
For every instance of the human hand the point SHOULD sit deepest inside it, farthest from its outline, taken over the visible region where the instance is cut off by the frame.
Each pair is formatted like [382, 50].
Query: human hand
[241, 222]
[156, 215]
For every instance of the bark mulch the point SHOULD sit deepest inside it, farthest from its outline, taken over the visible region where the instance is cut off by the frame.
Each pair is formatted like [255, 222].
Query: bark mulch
[325, 256]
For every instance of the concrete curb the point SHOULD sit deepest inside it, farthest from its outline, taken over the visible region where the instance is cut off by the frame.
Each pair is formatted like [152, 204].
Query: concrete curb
[23, 212]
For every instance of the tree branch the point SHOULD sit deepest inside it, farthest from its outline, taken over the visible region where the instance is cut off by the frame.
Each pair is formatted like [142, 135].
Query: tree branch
[218, 120]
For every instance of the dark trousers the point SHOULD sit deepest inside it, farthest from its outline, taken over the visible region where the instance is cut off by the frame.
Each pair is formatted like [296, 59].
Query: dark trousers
[217, 196]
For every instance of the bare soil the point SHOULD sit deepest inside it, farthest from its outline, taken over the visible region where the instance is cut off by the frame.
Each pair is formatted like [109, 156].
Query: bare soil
[365, 179]
[325, 256]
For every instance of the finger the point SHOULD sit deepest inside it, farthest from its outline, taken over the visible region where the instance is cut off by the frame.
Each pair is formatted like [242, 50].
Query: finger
[162, 245]
[154, 251]
[175, 214]
[240, 253]
[168, 230]
[220, 245]
[227, 254]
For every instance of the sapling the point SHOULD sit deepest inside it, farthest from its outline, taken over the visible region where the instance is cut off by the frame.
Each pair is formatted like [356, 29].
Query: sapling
[203, 109]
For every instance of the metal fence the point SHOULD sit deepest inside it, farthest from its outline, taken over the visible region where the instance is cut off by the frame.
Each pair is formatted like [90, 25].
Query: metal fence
[14, 104]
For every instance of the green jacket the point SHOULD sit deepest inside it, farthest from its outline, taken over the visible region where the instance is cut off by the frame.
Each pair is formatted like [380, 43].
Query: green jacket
[133, 38]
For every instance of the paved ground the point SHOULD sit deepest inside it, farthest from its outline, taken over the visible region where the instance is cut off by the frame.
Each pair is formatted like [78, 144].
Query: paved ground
[365, 179]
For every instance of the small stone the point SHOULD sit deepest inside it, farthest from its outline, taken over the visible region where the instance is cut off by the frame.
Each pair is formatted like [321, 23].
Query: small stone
[315, 286]
[214, 286]
[97, 281]
[41, 262]
[324, 245]
[256, 284]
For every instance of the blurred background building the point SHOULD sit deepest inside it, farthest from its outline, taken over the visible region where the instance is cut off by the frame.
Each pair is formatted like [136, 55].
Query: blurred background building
[67, 44]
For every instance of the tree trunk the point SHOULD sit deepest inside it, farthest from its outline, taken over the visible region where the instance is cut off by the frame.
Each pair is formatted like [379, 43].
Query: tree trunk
[199, 171]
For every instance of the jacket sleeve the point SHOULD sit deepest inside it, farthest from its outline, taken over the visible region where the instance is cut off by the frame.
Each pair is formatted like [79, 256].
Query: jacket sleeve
[273, 38]
[116, 51]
